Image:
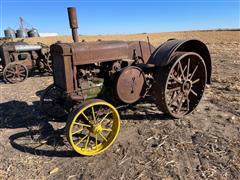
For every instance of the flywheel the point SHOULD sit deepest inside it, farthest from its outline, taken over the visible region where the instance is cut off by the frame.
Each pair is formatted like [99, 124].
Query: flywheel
[130, 84]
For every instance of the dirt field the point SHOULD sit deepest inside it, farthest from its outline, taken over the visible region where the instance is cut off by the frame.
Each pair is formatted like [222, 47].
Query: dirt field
[202, 145]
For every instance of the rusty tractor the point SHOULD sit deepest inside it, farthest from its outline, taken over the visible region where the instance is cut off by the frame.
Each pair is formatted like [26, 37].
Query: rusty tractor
[91, 79]
[18, 58]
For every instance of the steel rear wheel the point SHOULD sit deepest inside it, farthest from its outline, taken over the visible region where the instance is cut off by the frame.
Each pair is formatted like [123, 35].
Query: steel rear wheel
[15, 72]
[178, 88]
[92, 128]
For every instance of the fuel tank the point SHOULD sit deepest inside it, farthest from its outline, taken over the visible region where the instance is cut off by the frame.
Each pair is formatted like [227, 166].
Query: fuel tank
[102, 51]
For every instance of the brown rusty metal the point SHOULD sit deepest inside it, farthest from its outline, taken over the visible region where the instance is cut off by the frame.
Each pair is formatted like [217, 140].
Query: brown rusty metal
[30, 56]
[66, 56]
[63, 75]
[92, 52]
[179, 88]
[72, 15]
[5, 50]
[130, 84]
[162, 56]
[15, 72]
[149, 45]
[141, 49]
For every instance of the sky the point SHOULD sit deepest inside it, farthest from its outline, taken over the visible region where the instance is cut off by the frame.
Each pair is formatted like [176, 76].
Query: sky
[121, 16]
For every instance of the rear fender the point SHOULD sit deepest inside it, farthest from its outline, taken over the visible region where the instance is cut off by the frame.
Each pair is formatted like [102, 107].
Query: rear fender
[162, 56]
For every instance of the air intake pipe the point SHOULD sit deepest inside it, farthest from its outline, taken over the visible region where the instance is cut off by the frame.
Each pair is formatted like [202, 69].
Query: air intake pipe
[72, 15]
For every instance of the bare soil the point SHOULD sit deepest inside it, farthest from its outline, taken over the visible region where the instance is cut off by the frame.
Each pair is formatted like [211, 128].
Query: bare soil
[202, 145]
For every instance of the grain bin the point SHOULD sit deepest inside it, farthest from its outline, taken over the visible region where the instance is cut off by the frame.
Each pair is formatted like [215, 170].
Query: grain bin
[33, 33]
[22, 33]
[9, 33]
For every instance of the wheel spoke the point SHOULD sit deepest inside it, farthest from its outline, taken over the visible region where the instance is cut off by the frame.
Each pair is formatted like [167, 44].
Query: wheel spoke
[85, 116]
[173, 89]
[184, 72]
[81, 140]
[9, 75]
[188, 67]
[17, 68]
[196, 81]
[181, 103]
[82, 124]
[86, 144]
[105, 117]
[107, 129]
[22, 75]
[22, 70]
[181, 69]
[10, 71]
[78, 131]
[193, 72]
[96, 140]
[97, 113]
[103, 136]
[178, 67]
[174, 99]
[93, 113]
[176, 79]
[192, 91]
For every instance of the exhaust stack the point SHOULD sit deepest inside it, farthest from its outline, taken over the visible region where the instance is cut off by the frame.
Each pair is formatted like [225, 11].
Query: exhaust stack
[72, 15]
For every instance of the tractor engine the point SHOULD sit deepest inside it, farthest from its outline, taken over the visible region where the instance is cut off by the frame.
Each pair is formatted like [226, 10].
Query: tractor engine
[97, 79]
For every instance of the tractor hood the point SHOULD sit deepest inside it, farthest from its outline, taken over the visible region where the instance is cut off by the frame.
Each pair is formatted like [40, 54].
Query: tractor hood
[102, 51]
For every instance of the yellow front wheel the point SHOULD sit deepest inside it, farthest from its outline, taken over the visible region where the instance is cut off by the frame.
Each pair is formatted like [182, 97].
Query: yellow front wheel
[93, 127]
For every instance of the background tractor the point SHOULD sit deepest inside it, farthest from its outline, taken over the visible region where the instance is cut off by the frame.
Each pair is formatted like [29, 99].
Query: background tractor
[18, 58]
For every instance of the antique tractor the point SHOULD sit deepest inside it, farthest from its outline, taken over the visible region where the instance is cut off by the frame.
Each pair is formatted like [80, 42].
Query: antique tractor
[18, 58]
[91, 76]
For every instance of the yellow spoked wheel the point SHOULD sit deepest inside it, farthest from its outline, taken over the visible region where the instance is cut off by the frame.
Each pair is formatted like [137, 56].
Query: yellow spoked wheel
[93, 127]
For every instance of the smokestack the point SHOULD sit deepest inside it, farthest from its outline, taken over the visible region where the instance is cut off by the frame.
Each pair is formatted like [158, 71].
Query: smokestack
[72, 15]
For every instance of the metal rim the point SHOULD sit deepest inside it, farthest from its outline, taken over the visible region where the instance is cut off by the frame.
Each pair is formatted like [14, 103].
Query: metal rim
[15, 72]
[181, 84]
[93, 127]
[52, 103]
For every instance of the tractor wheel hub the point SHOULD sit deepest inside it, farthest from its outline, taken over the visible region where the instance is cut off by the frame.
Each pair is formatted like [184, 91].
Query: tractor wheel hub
[97, 128]
[186, 87]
